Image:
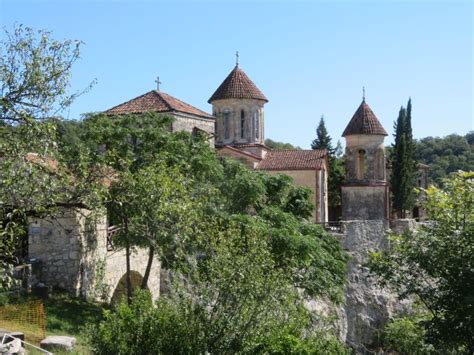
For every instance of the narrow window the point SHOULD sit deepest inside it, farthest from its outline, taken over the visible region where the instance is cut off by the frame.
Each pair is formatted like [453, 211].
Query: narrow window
[255, 124]
[226, 124]
[361, 166]
[242, 124]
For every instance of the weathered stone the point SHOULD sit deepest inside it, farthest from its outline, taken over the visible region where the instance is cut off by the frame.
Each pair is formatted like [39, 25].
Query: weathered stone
[368, 307]
[12, 347]
[58, 343]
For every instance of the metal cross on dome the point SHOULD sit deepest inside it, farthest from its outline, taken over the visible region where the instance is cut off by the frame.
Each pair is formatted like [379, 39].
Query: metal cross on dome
[158, 82]
[237, 58]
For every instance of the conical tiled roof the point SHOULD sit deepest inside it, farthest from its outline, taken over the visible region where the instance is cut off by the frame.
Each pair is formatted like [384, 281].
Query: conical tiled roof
[237, 85]
[364, 121]
[156, 101]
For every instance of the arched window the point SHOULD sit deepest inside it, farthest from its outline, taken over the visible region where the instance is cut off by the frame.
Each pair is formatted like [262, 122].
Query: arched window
[242, 124]
[361, 165]
[255, 124]
[226, 123]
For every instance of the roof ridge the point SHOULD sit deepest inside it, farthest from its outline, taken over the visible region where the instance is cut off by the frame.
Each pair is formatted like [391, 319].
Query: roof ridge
[126, 102]
[159, 94]
[184, 103]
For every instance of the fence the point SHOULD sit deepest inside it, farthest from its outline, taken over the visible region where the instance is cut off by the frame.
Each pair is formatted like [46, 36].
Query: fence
[28, 318]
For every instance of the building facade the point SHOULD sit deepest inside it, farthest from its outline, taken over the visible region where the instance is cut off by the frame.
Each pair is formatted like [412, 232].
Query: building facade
[238, 107]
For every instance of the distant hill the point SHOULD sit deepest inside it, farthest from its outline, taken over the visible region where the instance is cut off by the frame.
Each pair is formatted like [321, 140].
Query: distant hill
[445, 155]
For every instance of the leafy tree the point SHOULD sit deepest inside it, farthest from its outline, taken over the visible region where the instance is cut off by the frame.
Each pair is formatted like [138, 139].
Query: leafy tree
[34, 78]
[402, 181]
[240, 301]
[279, 145]
[34, 74]
[238, 264]
[445, 155]
[336, 164]
[435, 264]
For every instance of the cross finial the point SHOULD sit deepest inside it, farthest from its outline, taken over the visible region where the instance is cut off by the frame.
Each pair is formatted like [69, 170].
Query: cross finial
[363, 93]
[158, 82]
[237, 58]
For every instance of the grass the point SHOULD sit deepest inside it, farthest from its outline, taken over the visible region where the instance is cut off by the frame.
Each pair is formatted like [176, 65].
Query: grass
[65, 315]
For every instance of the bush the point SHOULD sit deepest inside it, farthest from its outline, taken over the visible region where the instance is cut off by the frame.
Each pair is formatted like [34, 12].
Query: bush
[406, 335]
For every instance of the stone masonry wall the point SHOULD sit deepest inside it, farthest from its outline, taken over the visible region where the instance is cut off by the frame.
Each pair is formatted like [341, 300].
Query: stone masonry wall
[364, 202]
[72, 248]
[187, 123]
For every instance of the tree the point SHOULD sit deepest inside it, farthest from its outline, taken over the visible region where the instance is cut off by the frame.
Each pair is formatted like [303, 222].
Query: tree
[279, 145]
[237, 267]
[322, 140]
[435, 264]
[336, 165]
[34, 78]
[235, 297]
[152, 197]
[445, 155]
[34, 74]
[402, 181]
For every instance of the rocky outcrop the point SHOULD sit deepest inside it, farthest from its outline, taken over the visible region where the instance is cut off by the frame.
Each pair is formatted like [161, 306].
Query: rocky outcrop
[368, 307]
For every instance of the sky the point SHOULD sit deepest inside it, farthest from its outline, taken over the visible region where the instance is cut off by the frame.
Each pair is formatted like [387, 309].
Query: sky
[309, 58]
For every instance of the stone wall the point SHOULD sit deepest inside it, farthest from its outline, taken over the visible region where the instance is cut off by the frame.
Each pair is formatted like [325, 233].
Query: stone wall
[364, 202]
[72, 248]
[116, 271]
[187, 123]
[234, 107]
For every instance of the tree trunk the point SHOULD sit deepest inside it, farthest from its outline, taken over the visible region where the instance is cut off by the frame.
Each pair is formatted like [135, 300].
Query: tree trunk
[127, 257]
[151, 254]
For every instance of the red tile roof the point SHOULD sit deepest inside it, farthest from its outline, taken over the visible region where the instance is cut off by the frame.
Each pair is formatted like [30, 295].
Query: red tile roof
[237, 85]
[293, 160]
[364, 121]
[156, 101]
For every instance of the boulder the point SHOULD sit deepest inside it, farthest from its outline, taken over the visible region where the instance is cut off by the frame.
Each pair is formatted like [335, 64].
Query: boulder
[58, 343]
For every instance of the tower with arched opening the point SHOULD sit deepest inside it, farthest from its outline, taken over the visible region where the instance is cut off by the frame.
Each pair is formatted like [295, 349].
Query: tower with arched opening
[365, 192]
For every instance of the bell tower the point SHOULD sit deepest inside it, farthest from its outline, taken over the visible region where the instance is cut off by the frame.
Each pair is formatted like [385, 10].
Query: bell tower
[237, 105]
[365, 192]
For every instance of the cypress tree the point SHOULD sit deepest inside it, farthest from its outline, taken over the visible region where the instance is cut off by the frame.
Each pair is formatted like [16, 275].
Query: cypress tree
[410, 161]
[403, 163]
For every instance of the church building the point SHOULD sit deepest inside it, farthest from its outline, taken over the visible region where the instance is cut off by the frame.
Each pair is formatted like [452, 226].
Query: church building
[238, 126]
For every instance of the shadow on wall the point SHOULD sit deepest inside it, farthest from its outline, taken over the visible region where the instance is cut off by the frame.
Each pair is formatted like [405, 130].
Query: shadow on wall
[121, 289]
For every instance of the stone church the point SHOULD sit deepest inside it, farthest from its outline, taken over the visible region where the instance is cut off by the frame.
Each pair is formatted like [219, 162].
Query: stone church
[77, 253]
[237, 125]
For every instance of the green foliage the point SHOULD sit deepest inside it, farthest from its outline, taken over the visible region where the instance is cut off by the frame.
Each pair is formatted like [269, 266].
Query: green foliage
[403, 162]
[445, 155]
[34, 74]
[240, 301]
[322, 140]
[279, 145]
[406, 335]
[435, 264]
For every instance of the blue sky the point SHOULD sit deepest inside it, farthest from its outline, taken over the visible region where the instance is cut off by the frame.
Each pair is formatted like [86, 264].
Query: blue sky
[308, 57]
